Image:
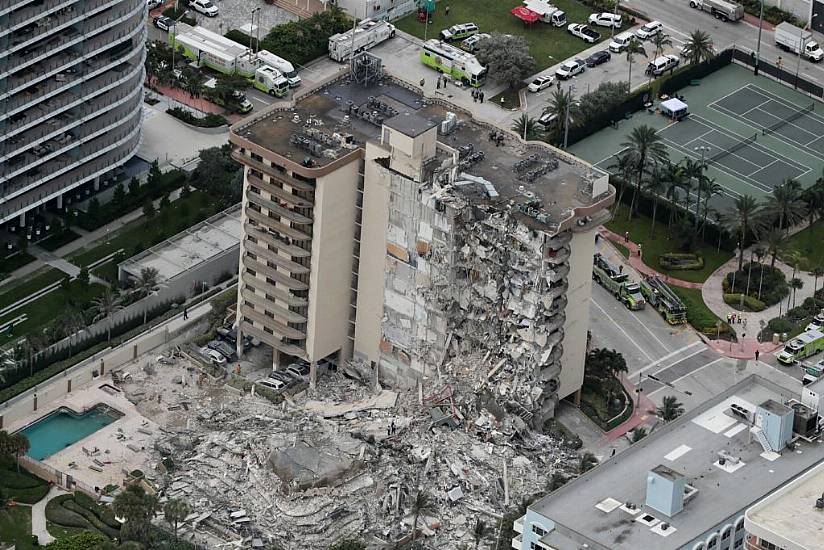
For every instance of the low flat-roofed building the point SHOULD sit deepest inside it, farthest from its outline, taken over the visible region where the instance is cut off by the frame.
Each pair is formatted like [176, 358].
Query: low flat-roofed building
[686, 485]
[791, 518]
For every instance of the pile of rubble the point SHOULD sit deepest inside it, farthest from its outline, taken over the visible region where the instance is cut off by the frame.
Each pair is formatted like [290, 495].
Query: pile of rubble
[345, 462]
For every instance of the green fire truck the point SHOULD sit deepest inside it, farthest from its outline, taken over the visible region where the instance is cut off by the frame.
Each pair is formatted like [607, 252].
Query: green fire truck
[628, 292]
[661, 297]
[802, 346]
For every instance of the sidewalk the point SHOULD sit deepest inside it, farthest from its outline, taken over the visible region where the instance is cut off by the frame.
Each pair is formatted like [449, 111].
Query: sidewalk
[38, 516]
[643, 414]
[636, 262]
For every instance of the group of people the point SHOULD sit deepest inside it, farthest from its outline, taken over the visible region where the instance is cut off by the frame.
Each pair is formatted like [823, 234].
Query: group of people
[477, 96]
[733, 317]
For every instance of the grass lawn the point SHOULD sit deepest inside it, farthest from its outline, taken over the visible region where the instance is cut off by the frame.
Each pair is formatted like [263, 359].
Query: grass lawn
[698, 314]
[21, 487]
[508, 99]
[547, 44]
[15, 527]
[55, 241]
[107, 271]
[12, 293]
[807, 244]
[142, 234]
[653, 248]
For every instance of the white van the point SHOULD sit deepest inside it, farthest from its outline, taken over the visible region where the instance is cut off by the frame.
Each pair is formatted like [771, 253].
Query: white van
[620, 42]
[662, 64]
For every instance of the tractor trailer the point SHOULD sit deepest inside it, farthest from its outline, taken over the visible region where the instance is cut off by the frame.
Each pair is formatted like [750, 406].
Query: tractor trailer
[720, 9]
[792, 39]
[365, 35]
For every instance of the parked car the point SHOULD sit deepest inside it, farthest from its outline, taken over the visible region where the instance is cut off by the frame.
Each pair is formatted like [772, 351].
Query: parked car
[214, 357]
[222, 347]
[164, 23]
[547, 120]
[471, 43]
[606, 20]
[299, 371]
[598, 57]
[541, 83]
[205, 7]
[584, 32]
[283, 377]
[154, 4]
[459, 32]
[816, 324]
[662, 64]
[570, 68]
[620, 42]
[229, 335]
[649, 30]
[271, 383]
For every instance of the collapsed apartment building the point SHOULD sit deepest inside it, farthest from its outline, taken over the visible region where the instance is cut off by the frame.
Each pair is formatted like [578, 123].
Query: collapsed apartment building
[395, 229]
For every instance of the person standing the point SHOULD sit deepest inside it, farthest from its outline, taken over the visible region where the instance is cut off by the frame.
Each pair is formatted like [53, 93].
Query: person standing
[446, 11]
[757, 353]
[626, 236]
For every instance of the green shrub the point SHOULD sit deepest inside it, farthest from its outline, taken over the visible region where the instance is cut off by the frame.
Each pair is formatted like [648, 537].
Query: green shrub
[680, 261]
[780, 325]
[211, 120]
[307, 39]
[750, 303]
[773, 284]
[92, 519]
[61, 516]
[175, 13]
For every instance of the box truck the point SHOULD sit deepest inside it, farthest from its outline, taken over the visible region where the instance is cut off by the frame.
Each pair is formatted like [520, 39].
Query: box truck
[365, 35]
[792, 39]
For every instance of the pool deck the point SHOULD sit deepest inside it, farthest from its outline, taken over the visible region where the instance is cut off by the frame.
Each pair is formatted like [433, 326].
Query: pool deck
[111, 441]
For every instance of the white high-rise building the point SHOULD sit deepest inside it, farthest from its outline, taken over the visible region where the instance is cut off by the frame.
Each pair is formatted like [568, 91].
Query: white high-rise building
[71, 79]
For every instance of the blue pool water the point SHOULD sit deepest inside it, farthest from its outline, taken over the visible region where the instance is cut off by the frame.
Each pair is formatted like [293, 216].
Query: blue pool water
[63, 427]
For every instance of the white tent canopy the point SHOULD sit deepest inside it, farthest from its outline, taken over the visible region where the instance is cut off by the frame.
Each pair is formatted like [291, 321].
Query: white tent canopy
[674, 108]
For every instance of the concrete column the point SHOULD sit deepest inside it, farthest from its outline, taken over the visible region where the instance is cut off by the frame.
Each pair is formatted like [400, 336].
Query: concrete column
[69, 385]
[313, 375]
[60, 202]
[239, 343]
[96, 183]
[275, 359]
[22, 219]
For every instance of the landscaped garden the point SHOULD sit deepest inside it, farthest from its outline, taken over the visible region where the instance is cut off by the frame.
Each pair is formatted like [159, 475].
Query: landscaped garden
[548, 45]
[603, 398]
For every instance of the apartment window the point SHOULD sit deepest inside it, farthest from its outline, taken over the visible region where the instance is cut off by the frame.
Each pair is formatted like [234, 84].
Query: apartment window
[538, 530]
[256, 157]
[767, 545]
[251, 272]
[251, 256]
[268, 330]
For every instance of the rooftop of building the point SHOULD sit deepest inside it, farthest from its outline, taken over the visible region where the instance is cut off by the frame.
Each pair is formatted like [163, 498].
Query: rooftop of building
[197, 244]
[789, 517]
[342, 116]
[689, 446]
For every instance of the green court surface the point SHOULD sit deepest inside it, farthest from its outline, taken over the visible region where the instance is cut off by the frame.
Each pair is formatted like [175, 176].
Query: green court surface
[753, 133]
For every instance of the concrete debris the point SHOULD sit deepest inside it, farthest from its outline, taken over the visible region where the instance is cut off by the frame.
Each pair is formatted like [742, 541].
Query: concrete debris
[348, 462]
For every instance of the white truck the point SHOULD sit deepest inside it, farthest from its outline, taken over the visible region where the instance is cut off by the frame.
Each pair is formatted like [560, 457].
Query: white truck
[365, 35]
[720, 9]
[271, 81]
[549, 13]
[792, 39]
[271, 60]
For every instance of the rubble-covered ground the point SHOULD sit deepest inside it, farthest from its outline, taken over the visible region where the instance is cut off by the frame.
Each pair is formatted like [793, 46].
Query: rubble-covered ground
[343, 462]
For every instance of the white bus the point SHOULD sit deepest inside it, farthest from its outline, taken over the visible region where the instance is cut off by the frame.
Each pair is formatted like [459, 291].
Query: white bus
[288, 70]
[365, 35]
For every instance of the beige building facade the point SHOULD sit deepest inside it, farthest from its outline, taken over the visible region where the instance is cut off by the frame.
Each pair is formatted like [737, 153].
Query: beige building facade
[399, 232]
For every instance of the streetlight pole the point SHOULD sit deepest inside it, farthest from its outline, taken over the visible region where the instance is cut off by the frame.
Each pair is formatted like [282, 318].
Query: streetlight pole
[614, 13]
[801, 44]
[758, 47]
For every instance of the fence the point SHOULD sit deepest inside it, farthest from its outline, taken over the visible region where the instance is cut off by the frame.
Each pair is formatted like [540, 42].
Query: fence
[52, 475]
[790, 78]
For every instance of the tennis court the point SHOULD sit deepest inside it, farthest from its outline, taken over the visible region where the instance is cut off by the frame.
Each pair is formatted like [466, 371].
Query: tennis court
[798, 125]
[753, 133]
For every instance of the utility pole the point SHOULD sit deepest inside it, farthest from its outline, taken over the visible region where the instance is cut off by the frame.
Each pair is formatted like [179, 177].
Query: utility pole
[758, 47]
[566, 121]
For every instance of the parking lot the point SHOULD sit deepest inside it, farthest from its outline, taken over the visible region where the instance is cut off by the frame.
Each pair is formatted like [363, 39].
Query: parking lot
[237, 13]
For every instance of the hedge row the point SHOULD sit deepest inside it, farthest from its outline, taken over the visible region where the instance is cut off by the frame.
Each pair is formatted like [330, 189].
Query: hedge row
[211, 120]
[80, 512]
[750, 303]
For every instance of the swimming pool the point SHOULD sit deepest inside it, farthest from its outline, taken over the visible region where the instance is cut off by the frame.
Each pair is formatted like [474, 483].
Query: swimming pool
[64, 427]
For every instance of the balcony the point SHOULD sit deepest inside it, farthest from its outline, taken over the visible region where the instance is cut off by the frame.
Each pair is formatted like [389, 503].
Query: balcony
[278, 293]
[280, 312]
[275, 191]
[18, 142]
[516, 543]
[276, 226]
[274, 274]
[269, 238]
[272, 256]
[275, 208]
[23, 202]
[272, 340]
[35, 14]
[518, 525]
[66, 141]
[272, 171]
[10, 5]
[279, 328]
[72, 36]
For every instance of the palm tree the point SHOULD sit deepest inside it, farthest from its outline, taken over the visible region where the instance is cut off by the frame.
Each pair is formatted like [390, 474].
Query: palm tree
[699, 47]
[634, 48]
[760, 252]
[773, 242]
[588, 461]
[146, 283]
[817, 272]
[670, 409]
[136, 507]
[656, 187]
[526, 127]
[673, 177]
[638, 434]
[644, 146]
[622, 167]
[796, 284]
[175, 511]
[423, 503]
[660, 41]
[560, 104]
[813, 197]
[480, 532]
[709, 189]
[104, 306]
[75, 322]
[18, 445]
[741, 219]
[785, 204]
[694, 174]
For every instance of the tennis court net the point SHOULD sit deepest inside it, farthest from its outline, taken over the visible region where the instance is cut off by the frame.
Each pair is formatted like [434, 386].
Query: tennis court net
[738, 146]
[795, 116]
